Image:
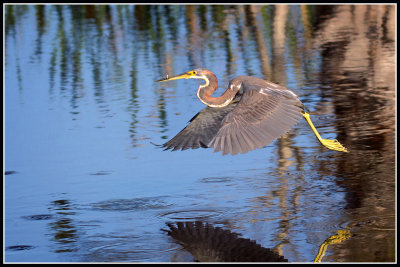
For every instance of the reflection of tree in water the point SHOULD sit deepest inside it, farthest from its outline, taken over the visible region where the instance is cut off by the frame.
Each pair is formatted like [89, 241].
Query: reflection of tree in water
[64, 230]
[359, 67]
[355, 78]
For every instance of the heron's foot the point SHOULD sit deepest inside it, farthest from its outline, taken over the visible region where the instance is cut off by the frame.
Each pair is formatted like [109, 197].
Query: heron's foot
[333, 145]
[334, 239]
[341, 235]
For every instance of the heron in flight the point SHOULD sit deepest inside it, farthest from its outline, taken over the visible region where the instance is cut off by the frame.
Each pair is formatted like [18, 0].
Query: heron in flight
[250, 114]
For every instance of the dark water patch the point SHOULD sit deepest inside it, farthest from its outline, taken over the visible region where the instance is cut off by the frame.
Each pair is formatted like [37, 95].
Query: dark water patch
[19, 247]
[124, 247]
[130, 204]
[196, 214]
[375, 223]
[10, 172]
[38, 217]
[216, 179]
[63, 207]
[101, 173]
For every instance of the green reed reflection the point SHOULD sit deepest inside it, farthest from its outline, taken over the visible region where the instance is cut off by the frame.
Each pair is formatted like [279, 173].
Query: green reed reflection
[340, 60]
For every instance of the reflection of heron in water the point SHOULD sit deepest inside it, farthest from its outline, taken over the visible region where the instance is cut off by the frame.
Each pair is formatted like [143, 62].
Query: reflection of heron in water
[250, 114]
[213, 244]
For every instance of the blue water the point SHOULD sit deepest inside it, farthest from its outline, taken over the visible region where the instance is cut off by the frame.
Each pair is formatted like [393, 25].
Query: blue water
[82, 112]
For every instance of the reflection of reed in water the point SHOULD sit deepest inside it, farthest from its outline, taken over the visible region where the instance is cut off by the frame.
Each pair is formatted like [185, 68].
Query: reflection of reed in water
[214, 244]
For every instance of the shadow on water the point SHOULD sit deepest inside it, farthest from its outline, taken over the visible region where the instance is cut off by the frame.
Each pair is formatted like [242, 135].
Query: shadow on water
[81, 111]
[214, 244]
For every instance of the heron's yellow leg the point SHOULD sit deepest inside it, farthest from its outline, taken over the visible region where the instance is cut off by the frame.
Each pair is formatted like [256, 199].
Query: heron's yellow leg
[334, 239]
[331, 144]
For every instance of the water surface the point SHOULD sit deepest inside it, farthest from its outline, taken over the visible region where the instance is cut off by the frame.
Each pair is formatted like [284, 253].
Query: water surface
[84, 183]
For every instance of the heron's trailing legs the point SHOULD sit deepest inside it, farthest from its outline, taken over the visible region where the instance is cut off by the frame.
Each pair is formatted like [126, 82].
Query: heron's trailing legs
[331, 144]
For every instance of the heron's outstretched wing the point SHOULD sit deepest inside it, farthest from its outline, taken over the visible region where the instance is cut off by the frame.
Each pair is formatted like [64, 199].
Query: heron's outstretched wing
[201, 129]
[265, 112]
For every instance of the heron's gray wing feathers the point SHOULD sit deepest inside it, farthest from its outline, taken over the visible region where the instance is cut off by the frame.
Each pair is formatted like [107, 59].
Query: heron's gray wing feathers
[266, 111]
[201, 129]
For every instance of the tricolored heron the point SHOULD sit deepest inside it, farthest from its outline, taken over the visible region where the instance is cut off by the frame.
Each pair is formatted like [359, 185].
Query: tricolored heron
[250, 114]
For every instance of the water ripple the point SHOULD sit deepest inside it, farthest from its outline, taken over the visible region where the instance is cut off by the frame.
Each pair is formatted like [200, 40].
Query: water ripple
[144, 203]
[195, 214]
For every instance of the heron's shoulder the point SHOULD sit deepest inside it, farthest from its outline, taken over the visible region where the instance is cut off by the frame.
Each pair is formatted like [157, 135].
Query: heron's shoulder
[250, 81]
[257, 85]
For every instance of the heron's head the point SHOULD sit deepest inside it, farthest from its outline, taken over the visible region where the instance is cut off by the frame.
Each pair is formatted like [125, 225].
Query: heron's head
[200, 73]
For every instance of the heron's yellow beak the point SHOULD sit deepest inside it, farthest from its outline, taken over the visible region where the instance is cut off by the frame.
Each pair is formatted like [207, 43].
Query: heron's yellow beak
[186, 75]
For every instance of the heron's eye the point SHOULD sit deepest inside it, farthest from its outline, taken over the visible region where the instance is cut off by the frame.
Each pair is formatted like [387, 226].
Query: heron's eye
[194, 72]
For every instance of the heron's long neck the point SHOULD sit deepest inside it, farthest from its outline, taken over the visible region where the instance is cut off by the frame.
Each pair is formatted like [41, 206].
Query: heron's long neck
[205, 90]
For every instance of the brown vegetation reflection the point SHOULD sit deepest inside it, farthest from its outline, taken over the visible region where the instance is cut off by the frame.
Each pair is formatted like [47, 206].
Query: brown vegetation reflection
[355, 82]
[358, 48]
